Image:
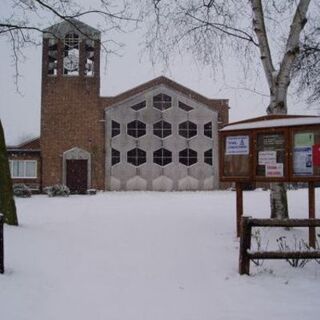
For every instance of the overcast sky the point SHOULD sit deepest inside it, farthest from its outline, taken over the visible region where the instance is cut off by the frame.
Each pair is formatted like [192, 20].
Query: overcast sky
[20, 113]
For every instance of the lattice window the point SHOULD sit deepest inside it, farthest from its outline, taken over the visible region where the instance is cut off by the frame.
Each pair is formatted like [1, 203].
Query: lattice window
[208, 129]
[162, 157]
[187, 129]
[188, 157]
[136, 128]
[115, 157]
[136, 157]
[185, 107]
[208, 157]
[139, 106]
[115, 128]
[162, 129]
[162, 102]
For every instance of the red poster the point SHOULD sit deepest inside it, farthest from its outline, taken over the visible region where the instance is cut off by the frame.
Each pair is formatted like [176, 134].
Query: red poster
[316, 155]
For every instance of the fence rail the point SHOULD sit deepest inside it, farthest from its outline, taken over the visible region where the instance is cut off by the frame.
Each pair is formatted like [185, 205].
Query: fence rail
[246, 254]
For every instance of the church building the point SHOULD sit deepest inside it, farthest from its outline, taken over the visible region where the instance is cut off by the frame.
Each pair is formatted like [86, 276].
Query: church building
[157, 136]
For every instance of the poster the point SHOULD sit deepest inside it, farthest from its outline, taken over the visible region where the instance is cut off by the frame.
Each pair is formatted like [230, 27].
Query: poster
[271, 141]
[274, 170]
[267, 157]
[316, 155]
[237, 145]
[302, 160]
[303, 139]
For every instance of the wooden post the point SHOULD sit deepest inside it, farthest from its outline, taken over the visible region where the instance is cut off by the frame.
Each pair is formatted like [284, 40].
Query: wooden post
[239, 206]
[1, 245]
[312, 215]
[245, 244]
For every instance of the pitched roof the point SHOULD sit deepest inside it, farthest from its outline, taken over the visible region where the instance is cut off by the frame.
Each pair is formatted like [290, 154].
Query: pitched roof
[60, 29]
[28, 145]
[271, 121]
[169, 83]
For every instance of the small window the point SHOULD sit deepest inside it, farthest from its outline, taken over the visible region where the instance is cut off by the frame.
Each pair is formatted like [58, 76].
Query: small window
[162, 102]
[136, 128]
[139, 106]
[115, 128]
[162, 157]
[53, 57]
[115, 157]
[162, 129]
[208, 157]
[188, 157]
[185, 107]
[89, 53]
[136, 157]
[26, 169]
[208, 129]
[71, 54]
[187, 129]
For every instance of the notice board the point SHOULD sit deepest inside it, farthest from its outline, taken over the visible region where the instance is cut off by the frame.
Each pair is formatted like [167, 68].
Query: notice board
[287, 154]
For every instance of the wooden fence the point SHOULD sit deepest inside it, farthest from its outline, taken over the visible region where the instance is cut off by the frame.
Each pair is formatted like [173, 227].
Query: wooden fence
[1, 245]
[247, 223]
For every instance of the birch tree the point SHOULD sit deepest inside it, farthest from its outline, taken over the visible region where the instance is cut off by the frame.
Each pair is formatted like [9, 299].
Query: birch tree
[21, 24]
[254, 30]
[307, 66]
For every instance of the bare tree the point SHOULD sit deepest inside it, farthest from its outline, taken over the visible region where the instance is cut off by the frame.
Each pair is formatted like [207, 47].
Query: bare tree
[20, 25]
[254, 30]
[307, 65]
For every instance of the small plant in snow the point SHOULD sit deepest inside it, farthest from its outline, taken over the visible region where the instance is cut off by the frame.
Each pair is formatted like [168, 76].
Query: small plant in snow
[92, 191]
[21, 190]
[256, 237]
[300, 245]
[57, 190]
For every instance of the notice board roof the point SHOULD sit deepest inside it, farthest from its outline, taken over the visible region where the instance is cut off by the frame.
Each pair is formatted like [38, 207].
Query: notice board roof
[273, 121]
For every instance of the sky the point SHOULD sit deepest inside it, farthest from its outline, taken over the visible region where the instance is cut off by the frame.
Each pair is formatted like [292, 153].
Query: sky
[20, 112]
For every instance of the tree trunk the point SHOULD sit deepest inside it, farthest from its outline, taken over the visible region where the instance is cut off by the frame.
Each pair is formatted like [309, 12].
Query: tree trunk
[278, 191]
[7, 204]
[278, 80]
[278, 201]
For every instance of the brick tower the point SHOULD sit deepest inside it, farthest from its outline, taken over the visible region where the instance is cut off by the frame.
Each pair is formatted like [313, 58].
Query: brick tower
[72, 133]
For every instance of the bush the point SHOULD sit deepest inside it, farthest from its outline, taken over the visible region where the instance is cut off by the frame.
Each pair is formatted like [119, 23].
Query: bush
[21, 190]
[92, 191]
[58, 190]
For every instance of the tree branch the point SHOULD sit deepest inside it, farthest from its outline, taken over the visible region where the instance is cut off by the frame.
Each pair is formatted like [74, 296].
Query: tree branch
[260, 30]
[292, 45]
[224, 28]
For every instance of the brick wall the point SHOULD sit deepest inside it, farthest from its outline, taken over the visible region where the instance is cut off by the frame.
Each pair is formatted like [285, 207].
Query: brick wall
[71, 117]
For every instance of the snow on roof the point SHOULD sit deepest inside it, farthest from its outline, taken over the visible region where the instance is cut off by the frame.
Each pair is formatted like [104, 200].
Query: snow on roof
[285, 122]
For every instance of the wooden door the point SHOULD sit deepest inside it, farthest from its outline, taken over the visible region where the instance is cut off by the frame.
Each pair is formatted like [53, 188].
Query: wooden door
[77, 175]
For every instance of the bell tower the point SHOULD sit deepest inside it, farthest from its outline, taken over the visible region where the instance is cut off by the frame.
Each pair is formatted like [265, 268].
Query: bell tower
[70, 104]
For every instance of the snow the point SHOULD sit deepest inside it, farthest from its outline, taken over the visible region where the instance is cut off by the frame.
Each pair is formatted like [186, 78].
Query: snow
[149, 255]
[273, 123]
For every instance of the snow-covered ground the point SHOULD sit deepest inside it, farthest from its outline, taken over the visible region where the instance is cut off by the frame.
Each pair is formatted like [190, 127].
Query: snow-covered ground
[149, 256]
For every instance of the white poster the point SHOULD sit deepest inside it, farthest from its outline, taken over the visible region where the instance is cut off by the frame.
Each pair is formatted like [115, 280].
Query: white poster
[267, 157]
[274, 170]
[237, 145]
[302, 161]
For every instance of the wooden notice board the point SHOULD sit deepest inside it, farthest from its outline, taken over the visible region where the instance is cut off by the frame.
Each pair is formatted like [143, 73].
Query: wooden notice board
[286, 151]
